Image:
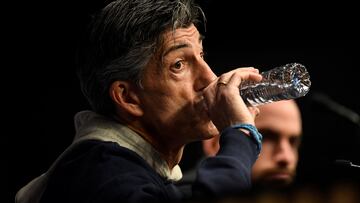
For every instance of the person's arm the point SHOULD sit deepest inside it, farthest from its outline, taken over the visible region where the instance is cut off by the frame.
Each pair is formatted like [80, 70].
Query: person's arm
[227, 173]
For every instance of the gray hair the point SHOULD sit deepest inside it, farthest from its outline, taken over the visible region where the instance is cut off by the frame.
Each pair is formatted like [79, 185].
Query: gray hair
[123, 37]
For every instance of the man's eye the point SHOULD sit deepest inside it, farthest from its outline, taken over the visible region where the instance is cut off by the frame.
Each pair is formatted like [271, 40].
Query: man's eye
[202, 55]
[178, 65]
[294, 141]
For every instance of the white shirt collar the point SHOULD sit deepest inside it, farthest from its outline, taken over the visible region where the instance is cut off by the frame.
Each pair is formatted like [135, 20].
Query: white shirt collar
[90, 125]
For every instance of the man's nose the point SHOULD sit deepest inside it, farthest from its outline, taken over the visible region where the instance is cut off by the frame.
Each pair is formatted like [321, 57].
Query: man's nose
[204, 75]
[284, 154]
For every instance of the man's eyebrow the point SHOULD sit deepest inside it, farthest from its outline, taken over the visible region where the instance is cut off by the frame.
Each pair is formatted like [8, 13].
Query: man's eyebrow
[176, 47]
[269, 132]
[180, 46]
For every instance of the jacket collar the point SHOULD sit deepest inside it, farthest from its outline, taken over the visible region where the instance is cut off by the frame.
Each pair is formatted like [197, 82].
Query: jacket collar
[90, 125]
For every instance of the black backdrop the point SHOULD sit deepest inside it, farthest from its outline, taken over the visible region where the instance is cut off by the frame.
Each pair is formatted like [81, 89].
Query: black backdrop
[43, 93]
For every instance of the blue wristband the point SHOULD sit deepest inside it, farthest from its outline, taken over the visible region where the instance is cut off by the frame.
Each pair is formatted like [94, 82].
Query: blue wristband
[254, 133]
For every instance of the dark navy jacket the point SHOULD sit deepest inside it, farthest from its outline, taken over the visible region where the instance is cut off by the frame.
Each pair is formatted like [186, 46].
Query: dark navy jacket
[104, 172]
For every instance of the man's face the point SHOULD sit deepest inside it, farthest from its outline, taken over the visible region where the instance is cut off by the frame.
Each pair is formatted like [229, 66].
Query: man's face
[172, 87]
[280, 125]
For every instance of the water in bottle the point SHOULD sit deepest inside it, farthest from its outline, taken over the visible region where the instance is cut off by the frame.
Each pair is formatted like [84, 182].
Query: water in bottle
[289, 81]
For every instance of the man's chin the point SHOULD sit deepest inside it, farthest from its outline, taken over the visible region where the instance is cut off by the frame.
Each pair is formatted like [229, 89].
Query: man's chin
[207, 128]
[212, 131]
[280, 183]
[275, 182]
[204, 131]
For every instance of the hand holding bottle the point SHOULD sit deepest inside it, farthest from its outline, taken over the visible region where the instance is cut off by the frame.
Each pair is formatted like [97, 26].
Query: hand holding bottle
[222, 98]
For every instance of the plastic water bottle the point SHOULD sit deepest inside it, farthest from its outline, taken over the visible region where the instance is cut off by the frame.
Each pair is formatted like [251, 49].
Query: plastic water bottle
[289, 81]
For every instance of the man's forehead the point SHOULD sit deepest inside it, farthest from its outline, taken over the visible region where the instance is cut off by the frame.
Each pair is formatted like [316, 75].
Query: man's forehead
[284, 124]
[175, 36]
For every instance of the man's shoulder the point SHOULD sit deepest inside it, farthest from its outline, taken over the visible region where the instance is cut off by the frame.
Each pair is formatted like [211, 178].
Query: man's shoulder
[94, 168]
[108, 157]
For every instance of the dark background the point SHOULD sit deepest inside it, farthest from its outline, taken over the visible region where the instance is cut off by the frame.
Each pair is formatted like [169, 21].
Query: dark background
[42, 91]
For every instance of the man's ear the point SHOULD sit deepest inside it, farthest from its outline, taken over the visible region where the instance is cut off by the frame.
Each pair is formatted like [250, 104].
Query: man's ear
[125, 97]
